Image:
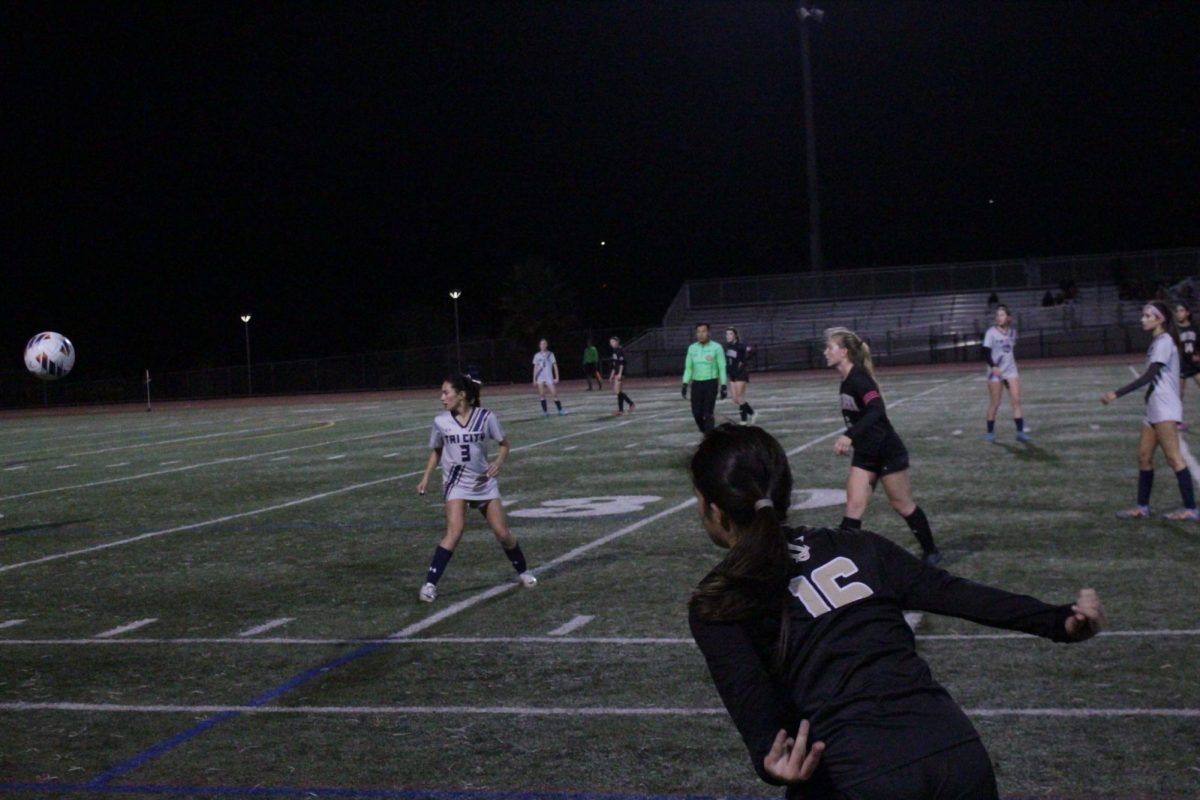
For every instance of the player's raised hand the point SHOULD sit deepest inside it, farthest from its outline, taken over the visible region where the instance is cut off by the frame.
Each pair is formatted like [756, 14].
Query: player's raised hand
[790, 760]
[1087, 617]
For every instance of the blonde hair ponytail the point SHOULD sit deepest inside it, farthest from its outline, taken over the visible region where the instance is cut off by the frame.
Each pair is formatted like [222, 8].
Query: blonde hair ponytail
[858, 350]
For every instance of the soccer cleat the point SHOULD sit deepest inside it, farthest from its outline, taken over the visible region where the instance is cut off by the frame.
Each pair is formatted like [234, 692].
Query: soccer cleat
[428, 593]
[1137, 512]
[527, 579]
[1022, 437]
[631, 408]
[932, 558]
[545, 413]
[562, 412]
[618, 413]
[989, 437]
[1184, 515]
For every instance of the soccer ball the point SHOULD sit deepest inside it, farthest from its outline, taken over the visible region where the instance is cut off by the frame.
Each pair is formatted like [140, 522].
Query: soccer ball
[49, 356]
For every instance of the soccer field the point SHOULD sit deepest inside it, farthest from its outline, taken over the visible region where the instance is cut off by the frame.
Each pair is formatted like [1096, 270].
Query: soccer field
[219, 600]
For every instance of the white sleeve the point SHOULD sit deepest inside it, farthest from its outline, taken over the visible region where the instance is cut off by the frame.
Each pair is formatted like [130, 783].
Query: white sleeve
[494, 431]
[435, 438]
[1160, 351]
[989, 338]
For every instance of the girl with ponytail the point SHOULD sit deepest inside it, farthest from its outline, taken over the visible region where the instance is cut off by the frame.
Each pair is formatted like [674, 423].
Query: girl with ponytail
[1164, 413]
[879, 454]
[804, 635]
[459, 441]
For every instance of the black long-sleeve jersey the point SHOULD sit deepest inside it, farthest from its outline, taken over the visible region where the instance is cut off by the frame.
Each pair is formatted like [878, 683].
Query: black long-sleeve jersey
[737, 361]
[849, 663]
[618, 361]
[867, 423]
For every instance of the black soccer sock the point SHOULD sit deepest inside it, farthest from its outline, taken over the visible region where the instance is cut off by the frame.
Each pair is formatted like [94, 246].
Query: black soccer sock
[1186, 490]
[621, 401]
[851, 524]
[918, 523]
[437, 567]
[991, 426]
[558, 404]
[543, 402]
[746, 409]
[517, 558]
[1145, 484]
[1020, 423]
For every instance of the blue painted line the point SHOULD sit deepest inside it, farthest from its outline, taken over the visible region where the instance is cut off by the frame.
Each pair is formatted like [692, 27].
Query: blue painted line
[170, 744]
[392, 794]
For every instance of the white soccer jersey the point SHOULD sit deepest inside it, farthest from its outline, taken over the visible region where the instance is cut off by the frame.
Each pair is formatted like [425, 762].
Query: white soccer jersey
[1162, 398]
[464, 454]
[1002, 345]
[543, 366]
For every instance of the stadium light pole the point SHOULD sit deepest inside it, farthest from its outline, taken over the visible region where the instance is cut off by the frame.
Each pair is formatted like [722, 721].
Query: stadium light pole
[454, 295]
[810, 136]
[249, 377]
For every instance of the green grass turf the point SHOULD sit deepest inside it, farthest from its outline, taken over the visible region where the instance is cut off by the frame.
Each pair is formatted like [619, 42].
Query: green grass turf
[309, 511]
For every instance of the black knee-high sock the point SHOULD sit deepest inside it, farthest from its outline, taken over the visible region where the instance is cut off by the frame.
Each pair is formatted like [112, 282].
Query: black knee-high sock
[437, 566]
[991, 426]
[851, 524]
[1186, 490]
[746, 409]
[517, 558]
[543, 402]
[558, 404]
[1145, 484]
[918, 523]
[621, 401]
[1020, 423]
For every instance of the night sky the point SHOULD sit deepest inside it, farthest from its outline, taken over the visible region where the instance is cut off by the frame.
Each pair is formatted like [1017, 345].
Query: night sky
[334, 168]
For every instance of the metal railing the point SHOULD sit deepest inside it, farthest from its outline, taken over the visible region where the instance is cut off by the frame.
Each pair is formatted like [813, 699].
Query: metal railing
[1133, 268]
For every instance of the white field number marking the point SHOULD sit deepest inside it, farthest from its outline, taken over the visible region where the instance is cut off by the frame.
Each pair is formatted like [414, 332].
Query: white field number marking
[578, 507]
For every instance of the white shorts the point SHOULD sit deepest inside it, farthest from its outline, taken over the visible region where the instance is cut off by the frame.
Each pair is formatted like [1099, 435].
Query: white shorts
[474, 491]
[1008, 372]
[548, 382]
[1163, 407]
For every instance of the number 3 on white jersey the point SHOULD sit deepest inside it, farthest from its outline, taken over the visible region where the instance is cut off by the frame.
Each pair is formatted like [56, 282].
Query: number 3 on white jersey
[827, 594]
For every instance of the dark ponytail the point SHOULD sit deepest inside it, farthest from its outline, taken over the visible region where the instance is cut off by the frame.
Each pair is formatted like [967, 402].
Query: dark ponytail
[467, 385]
[1169, 325]
[744, 472]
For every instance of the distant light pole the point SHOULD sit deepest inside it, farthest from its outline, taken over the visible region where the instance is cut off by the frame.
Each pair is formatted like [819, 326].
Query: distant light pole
[454, 295]
[249, 378]
[810, 136]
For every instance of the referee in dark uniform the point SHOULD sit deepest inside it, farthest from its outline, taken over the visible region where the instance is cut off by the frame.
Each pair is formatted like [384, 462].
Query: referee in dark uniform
[804, 634]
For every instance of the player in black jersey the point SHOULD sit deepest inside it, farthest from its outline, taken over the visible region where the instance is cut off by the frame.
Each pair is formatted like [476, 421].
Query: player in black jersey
[617, 376]
[1189, 358]
[804, 634]
[737, 369]
[879, 455]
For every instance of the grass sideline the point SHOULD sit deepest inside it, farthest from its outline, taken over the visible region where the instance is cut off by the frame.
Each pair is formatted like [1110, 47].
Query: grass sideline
[240, 550]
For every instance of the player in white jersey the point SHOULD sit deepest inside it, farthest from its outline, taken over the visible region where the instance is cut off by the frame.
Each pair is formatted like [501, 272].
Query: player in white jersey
[998, 345]
[1164, 411]
[459, 441]
[545, 376]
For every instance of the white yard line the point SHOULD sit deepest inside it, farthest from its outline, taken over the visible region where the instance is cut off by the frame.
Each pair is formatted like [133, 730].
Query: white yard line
[573, 625]
[544, 711]
[629, 641]
[267, 626]
[214, 463]
[279, 506]
[132, 626]
[11, 623]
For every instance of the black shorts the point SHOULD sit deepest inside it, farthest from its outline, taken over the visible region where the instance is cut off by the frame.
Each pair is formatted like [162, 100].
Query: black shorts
[1187, 370]
[884, 458]
[740, 375]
